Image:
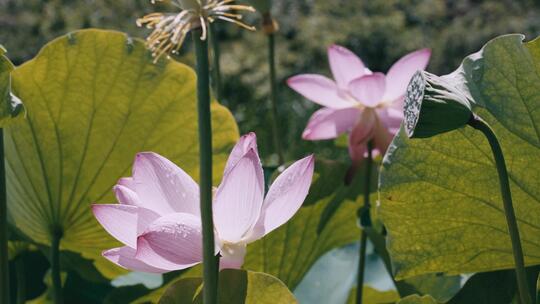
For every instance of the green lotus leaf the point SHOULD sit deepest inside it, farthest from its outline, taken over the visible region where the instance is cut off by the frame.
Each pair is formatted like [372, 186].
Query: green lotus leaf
[155, 295]
[235, 287]
[94, 99]
[416, 299]
[10, 105]
[440, 197]
[289, 252]
[374, 296]
[496, 287]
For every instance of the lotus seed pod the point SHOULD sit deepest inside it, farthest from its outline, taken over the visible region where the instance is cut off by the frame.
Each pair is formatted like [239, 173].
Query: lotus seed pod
[435, 105]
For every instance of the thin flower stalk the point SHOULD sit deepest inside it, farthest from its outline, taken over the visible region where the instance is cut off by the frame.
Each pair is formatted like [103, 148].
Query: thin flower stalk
[56, 236]
[168, 35]
[274, 94]
[365, 222]
[4, 264]
[216, 67]
[10, 107]
[210, 264]
[509, 212]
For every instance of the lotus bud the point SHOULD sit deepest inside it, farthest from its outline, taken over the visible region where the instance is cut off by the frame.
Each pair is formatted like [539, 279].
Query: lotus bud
[435, 105]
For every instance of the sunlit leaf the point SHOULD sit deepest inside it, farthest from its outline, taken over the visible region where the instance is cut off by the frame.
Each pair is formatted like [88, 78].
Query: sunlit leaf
[184, 291]
[289, 252]
[441, 288]
[235, 287]
[440, 198]
[155, 295]
[94, 99]
[416, 299]
[374, 296]
[10, 105]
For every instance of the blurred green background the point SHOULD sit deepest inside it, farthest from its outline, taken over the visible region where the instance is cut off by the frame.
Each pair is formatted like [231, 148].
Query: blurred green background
[379, 31]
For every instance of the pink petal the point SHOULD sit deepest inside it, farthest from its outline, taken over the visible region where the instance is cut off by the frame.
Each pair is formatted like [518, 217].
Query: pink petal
[127, 182]
[172, 242]
[381, 138]
[120, 221]
[391, 119]
[244, 144]
[145, 218]
[232, 257]
[345, 65]
[329, 123]
[368, 89]
[400, 74]
[125, 258]
[285, 197]
[126, 196]
[397, 104]
[164, 187]
[239, 198]
[321, 90]
[361, 134]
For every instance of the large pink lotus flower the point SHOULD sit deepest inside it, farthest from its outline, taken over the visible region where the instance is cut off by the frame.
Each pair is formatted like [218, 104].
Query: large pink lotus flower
[158, 217]
[367, 105]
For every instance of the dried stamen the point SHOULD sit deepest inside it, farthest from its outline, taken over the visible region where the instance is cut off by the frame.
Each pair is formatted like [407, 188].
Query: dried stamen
[169, 31]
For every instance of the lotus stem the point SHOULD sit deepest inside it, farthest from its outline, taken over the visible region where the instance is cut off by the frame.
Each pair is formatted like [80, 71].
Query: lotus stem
[274, 97]
[365, 221]
[210, 263]
[4, 263]
[58, 295]
[479, 124]
[361, 267]
[216, 66]
[21, 280]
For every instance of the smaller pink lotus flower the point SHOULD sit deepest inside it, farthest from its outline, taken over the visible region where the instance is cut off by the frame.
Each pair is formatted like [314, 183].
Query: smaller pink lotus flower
[158, 217]
[367, 105]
